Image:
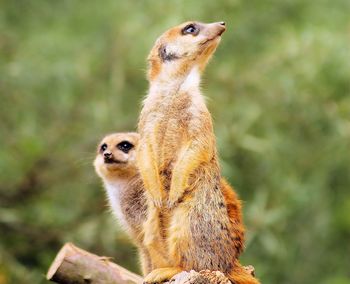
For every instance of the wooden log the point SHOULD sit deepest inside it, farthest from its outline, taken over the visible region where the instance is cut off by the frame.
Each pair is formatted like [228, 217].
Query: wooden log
[74, 265]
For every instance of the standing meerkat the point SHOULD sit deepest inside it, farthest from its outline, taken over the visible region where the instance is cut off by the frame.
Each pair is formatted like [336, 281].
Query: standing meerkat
[115, 163]
[193, 218]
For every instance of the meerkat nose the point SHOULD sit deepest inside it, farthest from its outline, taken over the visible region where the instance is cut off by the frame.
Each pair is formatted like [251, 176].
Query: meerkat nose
[107, 155]
[221, 27]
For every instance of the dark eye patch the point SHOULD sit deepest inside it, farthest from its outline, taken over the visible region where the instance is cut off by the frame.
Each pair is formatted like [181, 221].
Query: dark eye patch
[191, 29]
[103, 147]
[125, 146]
[166, 56]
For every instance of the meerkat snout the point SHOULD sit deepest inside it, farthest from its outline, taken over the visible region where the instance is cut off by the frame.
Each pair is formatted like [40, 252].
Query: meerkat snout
[107, 156]
[206, 30]
[222, 24]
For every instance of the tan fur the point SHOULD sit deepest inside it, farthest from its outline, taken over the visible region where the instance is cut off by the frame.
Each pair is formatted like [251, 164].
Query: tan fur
[193, 217]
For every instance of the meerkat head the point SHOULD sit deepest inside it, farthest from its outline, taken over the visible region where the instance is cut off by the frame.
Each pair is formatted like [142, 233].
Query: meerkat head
[183, 47]
[116, 156]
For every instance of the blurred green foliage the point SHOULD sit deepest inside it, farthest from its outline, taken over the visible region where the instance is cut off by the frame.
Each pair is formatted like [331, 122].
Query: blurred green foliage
[279, 90]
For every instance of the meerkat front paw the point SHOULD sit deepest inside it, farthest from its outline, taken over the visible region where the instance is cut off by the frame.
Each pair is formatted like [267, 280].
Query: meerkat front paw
[155, 199]
[173, 199]
[177, 190]
[161, 274]
[157, 202]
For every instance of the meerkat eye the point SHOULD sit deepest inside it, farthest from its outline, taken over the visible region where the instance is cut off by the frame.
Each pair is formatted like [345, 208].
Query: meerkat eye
[103, 147]
[125, 146]
[190, 29]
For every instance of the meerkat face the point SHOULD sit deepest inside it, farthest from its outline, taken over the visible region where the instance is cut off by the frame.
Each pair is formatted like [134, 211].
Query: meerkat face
[116, 155]
[186, 45]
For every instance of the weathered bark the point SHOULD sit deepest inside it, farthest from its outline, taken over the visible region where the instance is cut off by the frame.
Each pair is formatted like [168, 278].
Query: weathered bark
[74, 265]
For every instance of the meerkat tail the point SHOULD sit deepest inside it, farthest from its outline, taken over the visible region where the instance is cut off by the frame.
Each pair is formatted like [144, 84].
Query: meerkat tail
[239, 275]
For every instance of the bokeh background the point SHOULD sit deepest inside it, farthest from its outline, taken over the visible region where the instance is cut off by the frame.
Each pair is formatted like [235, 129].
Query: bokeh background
[279, 91]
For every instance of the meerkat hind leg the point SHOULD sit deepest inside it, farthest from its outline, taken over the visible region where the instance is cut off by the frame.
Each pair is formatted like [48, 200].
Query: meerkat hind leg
[162, 274]
[145, 262]
[153, 242]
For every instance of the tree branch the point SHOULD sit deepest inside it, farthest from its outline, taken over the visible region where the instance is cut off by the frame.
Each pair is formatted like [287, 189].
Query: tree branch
[74, 265]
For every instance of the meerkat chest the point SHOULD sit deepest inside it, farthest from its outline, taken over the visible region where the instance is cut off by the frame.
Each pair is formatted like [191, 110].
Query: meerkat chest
[115, 192]
[176, 100]
[176, 109]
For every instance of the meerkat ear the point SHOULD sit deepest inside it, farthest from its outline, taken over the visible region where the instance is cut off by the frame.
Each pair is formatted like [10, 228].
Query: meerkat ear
[166, 56]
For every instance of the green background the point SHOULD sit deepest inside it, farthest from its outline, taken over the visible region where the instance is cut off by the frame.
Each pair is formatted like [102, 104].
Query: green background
[279, 91]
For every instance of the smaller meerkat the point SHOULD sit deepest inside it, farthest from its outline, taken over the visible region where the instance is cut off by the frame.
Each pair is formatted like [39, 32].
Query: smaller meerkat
[115, 163]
